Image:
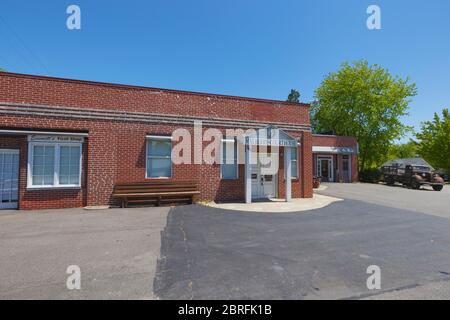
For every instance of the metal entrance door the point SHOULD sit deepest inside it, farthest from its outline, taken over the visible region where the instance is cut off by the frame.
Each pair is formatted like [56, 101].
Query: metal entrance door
[9, 179]
[263, 185]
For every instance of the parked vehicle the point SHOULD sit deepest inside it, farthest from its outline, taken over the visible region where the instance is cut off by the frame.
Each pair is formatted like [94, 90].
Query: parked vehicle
[413, 173]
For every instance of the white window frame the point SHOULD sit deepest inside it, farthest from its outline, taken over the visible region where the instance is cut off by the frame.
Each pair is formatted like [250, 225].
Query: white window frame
[56, 184]
[147, 156]
[235, 142]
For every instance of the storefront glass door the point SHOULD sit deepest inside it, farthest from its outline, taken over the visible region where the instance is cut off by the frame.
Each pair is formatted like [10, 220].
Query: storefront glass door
[9, 179]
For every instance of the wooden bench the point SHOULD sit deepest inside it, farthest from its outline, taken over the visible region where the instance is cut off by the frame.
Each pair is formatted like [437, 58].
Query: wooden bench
[155, 192]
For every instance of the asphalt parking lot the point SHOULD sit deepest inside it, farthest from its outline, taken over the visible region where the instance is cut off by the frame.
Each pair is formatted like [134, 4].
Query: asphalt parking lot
[199, 252]
[424, 201]
[115, 249]
[321, 254]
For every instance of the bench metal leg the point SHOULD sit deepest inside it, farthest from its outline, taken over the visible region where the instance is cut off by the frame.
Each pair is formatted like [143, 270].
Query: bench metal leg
[159, 201]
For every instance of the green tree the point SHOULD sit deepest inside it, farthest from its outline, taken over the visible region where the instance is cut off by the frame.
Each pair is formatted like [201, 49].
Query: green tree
[294, 96]
[433, 141]
[367, 102]
[403, 150]
[2, 70]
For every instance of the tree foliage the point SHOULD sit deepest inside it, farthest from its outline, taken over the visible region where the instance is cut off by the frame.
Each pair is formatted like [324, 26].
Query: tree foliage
[433, 142]
[403, 150]
[367, 102]
[294, 96]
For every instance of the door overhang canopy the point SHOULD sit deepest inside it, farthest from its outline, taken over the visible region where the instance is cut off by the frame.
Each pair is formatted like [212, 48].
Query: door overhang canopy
[334, 150]
[271, 136]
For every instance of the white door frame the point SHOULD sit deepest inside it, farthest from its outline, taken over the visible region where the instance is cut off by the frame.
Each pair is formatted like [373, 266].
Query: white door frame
[10, 204]
[330, 166]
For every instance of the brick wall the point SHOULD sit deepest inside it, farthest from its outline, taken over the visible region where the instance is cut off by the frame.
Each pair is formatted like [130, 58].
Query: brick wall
[85, 94]
[115, 151]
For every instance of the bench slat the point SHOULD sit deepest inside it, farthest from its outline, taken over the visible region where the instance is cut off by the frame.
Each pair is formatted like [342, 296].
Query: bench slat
[155, 192]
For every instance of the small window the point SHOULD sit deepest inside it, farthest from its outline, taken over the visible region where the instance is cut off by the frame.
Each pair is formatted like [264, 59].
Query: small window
[159, 157]
[294, 163]
[229, 165]
[53, 165]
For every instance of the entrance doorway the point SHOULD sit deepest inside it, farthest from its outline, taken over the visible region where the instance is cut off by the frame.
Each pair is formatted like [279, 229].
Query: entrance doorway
[9, 179]
[263, 184]
[325, 168]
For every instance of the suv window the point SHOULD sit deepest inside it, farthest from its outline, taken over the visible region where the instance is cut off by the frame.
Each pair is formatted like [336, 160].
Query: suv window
[421, 168]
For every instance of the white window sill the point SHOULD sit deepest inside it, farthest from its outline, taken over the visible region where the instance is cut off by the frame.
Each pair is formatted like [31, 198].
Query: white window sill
[54, 188]
[158, 178]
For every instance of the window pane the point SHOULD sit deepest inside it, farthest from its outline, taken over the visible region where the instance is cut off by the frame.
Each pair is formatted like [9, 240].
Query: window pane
[64, 171]
[49, 169]
[38, 170]
[294, 169]
[69, 165]
[38, 160]
[159, 168]
[159, 163]
[229, 171]
[63, 179]
[38, 180]
[229, 152]
[294, 154]
[39, 150]
[49, 152]
[159, 148]
[43, 165]
[48, 180]
[74, 179]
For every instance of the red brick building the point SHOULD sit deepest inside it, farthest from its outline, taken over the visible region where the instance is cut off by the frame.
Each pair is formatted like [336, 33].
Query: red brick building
[65, 143]
[335, 158]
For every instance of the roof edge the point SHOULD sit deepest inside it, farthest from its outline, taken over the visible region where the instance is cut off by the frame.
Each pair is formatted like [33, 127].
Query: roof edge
[331, 136]
[137, 87]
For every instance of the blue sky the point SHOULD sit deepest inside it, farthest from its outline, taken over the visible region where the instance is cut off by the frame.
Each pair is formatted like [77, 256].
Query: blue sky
[253, 48]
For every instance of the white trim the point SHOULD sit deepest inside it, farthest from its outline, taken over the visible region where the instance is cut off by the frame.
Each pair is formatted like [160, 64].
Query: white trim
[151, 137]
[161, 138]
[56, 165]
[27, 132]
